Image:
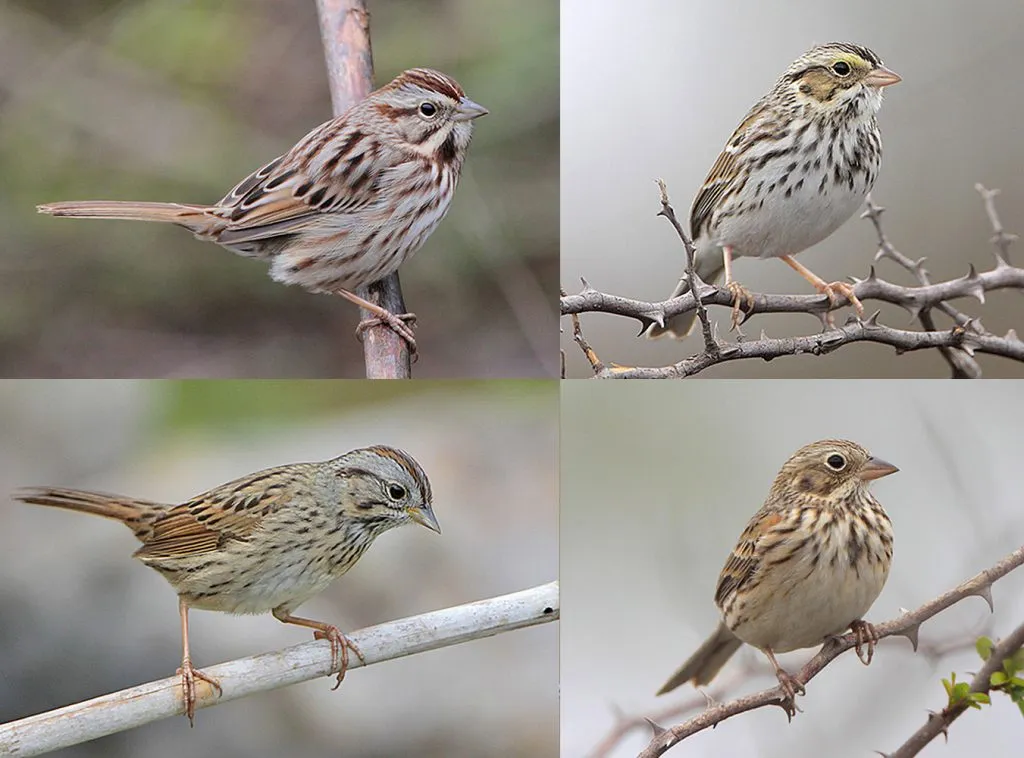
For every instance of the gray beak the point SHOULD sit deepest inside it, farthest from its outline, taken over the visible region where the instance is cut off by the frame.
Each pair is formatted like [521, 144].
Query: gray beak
[424, 515]
[468, 110]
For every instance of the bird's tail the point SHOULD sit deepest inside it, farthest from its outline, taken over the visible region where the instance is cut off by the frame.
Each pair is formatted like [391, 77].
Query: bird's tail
[172, 213]
[137, 515]
[703, 665]
[709, 269]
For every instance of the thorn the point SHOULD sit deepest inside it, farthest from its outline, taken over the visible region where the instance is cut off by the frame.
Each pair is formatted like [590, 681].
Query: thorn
[1012, 336]
[656, 728]
[872, 320]
[872, 275]
[586, 286]
[912, 635]
[976, 290]
[986, 594]
[764, 334]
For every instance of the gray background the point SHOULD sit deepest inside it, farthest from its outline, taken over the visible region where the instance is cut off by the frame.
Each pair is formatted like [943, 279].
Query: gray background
[658, 481]
[79, 618]
[654, 88]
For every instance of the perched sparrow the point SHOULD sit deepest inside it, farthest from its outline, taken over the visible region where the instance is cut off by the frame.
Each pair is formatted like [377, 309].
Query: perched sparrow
[349, 203]
[268, 541]
[807, 567]
[797, 167]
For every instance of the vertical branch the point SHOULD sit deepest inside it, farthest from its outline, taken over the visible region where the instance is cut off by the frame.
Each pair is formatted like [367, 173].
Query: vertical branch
[345, 30]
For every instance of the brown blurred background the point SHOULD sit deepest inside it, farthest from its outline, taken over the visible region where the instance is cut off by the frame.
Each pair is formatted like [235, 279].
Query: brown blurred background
[176, 100]
[80, 618]
[657, 94]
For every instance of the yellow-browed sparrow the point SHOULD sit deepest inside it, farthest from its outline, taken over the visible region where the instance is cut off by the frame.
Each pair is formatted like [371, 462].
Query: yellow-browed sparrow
[268, 541]
[807, 567]
[798, 166]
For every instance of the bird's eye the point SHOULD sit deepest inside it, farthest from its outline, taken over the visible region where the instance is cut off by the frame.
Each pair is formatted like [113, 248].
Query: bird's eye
[836, 462]
[396, 491]
[842, 68]
[428, 109]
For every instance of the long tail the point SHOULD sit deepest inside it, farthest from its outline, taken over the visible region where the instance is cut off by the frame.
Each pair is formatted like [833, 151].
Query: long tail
[702, 666]
[709, 269]
[172, 213]
[137, 515]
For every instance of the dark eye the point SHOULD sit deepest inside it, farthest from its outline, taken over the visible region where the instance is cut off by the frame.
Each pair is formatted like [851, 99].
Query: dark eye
[396, 491]
[836, 462]
[842, 68]
[428, 109]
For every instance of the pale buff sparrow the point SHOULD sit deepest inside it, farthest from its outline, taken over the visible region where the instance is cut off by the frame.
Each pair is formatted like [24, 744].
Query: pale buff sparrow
[797, 167]
[807, 567]
[345, 207]
[268, 541]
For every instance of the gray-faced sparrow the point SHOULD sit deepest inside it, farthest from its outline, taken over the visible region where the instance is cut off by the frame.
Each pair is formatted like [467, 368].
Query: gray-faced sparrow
[268, 541]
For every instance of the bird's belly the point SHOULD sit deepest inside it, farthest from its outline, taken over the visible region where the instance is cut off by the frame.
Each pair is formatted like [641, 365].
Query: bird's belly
[781, 224]
[816, 600]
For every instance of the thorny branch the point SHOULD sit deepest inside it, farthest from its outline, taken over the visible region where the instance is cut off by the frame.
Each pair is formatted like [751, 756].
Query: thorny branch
[906, 625]
[957, 344]
[938, 723]
[751, 666]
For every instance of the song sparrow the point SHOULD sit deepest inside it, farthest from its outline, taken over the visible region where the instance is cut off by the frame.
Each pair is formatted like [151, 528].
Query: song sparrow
[796, 168]
[268, 541]
[345, 207]
[807, 567]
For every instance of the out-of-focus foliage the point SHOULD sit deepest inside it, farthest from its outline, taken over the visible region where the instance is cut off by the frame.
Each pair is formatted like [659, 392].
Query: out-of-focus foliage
[176, 100]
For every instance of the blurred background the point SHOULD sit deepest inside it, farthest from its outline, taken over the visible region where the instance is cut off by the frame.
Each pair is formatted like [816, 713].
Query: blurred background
[660, 478]
[657, 94]
[177, 100]
[80, 618]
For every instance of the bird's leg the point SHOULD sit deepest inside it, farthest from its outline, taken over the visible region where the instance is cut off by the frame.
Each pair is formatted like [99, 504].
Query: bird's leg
[340, 644]
[790, 685]
[739, 292]
[188, 672]
[844, 289]
[400, 323]
[867, 636]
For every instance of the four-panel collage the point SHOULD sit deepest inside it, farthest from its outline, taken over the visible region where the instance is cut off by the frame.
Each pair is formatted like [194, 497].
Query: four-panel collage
[227, 222]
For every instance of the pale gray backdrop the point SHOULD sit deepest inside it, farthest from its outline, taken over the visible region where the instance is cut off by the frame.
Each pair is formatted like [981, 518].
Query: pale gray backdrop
[658, 481]
[654, 88]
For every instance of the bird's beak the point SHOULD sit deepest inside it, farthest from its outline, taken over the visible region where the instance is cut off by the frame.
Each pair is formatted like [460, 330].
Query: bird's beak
[882, 77]
[876, 468]
[468, 110]
[424, 515]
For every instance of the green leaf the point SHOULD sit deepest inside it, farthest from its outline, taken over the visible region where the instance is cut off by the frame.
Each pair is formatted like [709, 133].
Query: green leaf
[984, 647]
[998, 679]
[981, 697]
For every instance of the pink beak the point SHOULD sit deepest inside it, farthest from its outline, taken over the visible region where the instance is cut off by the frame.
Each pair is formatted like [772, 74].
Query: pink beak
[882, 77]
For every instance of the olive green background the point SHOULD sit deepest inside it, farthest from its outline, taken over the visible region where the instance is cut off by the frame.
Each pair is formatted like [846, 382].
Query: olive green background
[177, 100]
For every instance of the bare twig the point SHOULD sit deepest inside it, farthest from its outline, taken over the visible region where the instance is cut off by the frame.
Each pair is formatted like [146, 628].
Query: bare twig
[139, 705]
[345, 29]
[906, 625]
[962, 365]
[958, 344]
[938, 723]
[710, 343]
